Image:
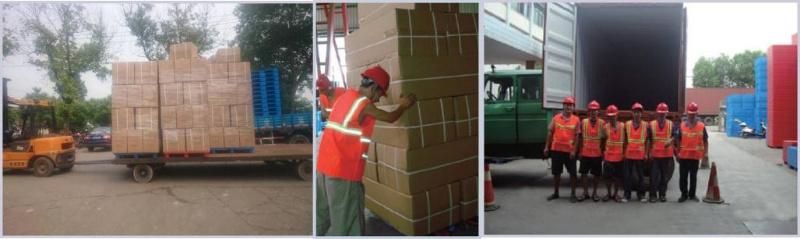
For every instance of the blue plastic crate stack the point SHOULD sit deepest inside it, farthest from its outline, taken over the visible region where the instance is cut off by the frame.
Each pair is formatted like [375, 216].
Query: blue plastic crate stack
[760, 67]
[267, 109]
[739, 107]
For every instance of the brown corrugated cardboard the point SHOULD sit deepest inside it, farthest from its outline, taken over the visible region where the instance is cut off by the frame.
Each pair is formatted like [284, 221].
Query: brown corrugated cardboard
[119, 142]
[217, 72]
[182, 70]
[244, 93]
[239, 72]
[195, 93]
[184, 117]
[368, 12]
[134, 138]
[199, 116]
[174, 140]
[411, 182]
[134, 98]
[466, 111]
[426, 158]
[122, 118]
[220, 115]
[146, 118]
[221, 93]
[197, 140]
[216, 137]
[122, 73]
[166, 71]
[171, 94]
[247, 137]
[241, 115]
[119, 96]
[199, 70]
[169, 117]
[427, 123]
[232, 54]
[469, 198]
[437, 7]
[146, 73]
[184, 50]
[371, 167]
[149, 96]
[392, 33]
[231, 136]
[416, 214]
[151, 143]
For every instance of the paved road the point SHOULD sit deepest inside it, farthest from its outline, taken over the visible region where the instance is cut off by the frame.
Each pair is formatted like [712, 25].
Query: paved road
[760, 194]
[219, 199]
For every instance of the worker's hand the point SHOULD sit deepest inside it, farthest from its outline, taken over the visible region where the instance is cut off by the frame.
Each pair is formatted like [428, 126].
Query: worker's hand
[406, 101]
[545, 153]
[572, 155]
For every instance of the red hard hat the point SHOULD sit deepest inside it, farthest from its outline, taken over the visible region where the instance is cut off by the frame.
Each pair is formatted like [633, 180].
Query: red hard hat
[662, 108]
[692, 108]
[594, 105]
[379, 76]
[569, 100]
[611, 110]
[637, 106]
[323, 82]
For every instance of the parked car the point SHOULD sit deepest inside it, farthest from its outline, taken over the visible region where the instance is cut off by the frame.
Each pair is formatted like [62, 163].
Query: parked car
[99, 137]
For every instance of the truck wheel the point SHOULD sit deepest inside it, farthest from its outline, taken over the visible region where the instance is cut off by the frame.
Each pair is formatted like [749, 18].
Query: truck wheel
[142, 173]
[299, 139]
[43, 167]
[304, 170]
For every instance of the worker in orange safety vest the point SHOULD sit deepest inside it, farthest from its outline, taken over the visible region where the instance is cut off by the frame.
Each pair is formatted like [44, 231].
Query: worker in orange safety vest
[327, 95]
[561, 146]
[342, 154]
[635, 154]
[662, 151]
[613, 144]
[692, 147]
[590, 151]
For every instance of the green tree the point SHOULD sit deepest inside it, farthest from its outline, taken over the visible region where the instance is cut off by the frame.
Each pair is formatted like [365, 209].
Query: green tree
[725, 71]
[183, 23]
[10, 44]
[59, 49]
[279, 35]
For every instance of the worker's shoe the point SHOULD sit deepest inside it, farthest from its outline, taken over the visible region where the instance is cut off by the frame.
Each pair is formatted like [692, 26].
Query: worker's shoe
[583, 197]
[551, 197]
[694, 198]
[606, 198]
[683, 198]
[595, 198]
[653, 199]
[573, 198]
[663, 198]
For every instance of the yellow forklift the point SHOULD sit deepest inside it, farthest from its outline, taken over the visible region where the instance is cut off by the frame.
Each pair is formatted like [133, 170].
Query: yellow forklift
[32, 145]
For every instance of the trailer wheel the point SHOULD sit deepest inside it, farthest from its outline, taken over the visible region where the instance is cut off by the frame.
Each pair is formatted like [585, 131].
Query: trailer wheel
[305, 169]
[142, 173]
[299, 139]
[43, 167]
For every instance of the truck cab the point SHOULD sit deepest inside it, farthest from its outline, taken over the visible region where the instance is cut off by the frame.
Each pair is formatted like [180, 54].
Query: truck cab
[515, 121]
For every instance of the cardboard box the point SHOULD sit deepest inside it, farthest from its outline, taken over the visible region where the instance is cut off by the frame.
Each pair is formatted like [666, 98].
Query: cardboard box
[134, 138]
[122, 73]
[197, 140]
[427, 123]
[146, 73]
[469, 198]
[199, 70]
[415, 160]
[231, 136]
[195, 93]
[119, 142]
[119, 96]
[169, 117]
[166, 71]
[241, 115]
[146, 118]
[174, 140]
[411, 182]
[247, 137]
[403, 31]
[185, 50]
[466, 112]
[437, 7]
[182, 70]
[151, 142]
[415, 214]
[149, 96]
[171, 94]
[134, 97]
[371, 170]
[232, 54]
[184, 117]
[244, 93]
[222, 93]
[199, 116]
[220, 116]
[239, 72]
[217, 72]
[368, 12]
[216, 137]
[122, 118]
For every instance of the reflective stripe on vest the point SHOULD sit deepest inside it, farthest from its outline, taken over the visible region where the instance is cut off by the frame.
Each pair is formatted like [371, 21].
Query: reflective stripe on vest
[692, 141]
[564, 134]
[344, 145]
[591, 138]
[662, 137]
[636, 140]
[613, 152]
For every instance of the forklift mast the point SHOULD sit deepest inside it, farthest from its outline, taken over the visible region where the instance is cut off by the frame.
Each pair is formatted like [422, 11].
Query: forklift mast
[29, 115]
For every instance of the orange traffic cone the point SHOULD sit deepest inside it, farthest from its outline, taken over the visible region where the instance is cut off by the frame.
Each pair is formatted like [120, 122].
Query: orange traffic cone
[712, 194]
[488, 191]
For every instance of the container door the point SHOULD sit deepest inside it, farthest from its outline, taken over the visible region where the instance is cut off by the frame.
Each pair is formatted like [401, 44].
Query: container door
[500, 110]
[559, 54]
[533, 119]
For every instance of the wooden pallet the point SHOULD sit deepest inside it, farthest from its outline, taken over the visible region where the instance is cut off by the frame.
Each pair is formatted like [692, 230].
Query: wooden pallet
[136, 155]
[221, 150]
[188, 154]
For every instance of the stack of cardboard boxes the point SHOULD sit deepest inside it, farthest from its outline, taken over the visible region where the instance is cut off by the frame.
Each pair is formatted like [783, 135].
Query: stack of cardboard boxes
[173, 96]
[134, 104]
[421, 175]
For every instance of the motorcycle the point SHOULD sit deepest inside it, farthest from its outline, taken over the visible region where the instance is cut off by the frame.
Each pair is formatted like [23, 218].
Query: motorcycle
[745, 131]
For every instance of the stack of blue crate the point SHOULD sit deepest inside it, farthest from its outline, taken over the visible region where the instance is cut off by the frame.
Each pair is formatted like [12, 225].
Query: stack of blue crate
[760, 68]
[266, 97]
[739, 107]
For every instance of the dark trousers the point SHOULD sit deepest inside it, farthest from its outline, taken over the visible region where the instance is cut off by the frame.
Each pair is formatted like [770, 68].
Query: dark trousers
[688, 170]
[634, 177]
[659, 172]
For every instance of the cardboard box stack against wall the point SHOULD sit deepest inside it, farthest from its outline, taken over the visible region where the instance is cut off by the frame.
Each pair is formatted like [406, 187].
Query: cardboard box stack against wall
[421, 175]
[188, 115]
[134, 107]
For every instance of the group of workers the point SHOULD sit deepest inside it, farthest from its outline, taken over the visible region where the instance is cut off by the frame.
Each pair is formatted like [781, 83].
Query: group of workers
[618, 152]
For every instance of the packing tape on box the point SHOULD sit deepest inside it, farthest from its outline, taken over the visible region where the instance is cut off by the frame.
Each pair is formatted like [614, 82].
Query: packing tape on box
[398, 171]
[435, 32]
[421, 129]
[429, 215]
[432, 78]
[410, 33]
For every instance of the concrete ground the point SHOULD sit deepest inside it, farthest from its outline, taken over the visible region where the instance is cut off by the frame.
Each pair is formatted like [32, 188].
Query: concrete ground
[760, 198]
[196, 199]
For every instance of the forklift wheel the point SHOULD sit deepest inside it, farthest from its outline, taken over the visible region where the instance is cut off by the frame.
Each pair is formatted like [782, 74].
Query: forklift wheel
[304, 170]
[142, 173]
[43, 167]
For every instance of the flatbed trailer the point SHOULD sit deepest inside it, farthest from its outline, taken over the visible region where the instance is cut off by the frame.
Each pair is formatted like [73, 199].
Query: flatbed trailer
[143, 169]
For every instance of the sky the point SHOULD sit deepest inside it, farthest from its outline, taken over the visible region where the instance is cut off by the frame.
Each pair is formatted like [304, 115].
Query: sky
[24, 77]
[715, 28]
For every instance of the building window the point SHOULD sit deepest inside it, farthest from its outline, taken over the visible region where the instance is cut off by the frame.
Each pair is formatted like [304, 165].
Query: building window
[538, 14]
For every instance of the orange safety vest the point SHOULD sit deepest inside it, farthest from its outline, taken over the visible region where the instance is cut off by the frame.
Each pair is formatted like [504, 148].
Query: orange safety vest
[613, 152]
[591, 138]
[692, 141]
[345, 141]
[661, 138]
[636, 140]
[327, 104]
[564, 133]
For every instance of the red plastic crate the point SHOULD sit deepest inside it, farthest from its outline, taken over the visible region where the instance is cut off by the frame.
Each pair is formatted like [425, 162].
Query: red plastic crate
[786, 144]
[781, 94]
